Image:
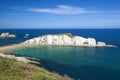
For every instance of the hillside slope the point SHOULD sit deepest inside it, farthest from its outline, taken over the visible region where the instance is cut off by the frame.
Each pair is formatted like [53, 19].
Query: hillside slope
[13, 70]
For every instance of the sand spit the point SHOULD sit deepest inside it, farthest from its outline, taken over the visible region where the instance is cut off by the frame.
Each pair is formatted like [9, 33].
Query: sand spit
[8, 47]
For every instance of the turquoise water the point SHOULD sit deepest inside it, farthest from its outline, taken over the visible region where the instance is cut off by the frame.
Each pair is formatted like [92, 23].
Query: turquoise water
[95, 63]
[77, 62]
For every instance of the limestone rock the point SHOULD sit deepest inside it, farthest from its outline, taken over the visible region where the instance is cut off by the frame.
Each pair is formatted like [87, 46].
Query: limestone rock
[7, 35]
[62, 39]
[101, 44]
[65, 40]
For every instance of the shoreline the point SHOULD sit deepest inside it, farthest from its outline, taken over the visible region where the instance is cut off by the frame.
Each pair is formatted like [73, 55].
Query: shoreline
[33, 60]
[21, 59]
[22, 44]
[18, 58]
[8, 47]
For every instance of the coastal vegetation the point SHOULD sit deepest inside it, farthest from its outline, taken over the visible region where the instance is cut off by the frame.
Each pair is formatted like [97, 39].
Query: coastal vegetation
[10, 69]
[69, 34]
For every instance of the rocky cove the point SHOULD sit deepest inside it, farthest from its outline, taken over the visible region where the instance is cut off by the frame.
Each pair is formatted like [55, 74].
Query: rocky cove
[90, 61]
[66, 39]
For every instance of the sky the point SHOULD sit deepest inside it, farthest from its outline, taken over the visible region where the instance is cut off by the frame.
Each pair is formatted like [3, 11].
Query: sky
[47, 14]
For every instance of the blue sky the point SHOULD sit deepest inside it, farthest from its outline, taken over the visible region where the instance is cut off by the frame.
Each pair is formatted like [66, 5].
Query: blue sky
[59, 13]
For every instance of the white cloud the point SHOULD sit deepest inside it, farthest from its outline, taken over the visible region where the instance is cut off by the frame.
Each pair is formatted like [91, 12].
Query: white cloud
[63, 9]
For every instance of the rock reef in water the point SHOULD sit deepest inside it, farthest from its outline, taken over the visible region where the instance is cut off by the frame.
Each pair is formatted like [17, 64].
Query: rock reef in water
[7, 35]
[66, 39]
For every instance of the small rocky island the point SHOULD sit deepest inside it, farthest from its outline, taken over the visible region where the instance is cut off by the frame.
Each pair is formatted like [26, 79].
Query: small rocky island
[66, 39]
[26, 36]
[7, 35]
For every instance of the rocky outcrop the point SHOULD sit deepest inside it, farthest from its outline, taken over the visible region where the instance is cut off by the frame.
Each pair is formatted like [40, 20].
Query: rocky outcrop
[26, 36]
[7, 35]
[21, 59]
[100, 44]
[65, 40]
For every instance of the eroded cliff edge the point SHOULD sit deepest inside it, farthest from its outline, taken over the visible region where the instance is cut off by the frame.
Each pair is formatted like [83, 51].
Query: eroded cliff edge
[66, 39]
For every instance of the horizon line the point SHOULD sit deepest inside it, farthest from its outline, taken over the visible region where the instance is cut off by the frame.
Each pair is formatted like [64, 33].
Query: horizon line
[59, 28]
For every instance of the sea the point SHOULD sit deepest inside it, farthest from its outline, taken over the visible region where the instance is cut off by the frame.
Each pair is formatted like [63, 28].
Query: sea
[79, 63]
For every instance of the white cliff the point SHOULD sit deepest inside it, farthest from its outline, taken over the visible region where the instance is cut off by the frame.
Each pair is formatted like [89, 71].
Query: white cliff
[66, 39]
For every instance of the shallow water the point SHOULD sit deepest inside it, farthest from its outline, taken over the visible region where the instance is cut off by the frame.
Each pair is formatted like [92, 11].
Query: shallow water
[92, 63]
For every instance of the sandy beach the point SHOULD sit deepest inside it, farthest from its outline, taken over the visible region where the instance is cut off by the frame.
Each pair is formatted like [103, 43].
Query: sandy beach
[8, 47]
[22, 59]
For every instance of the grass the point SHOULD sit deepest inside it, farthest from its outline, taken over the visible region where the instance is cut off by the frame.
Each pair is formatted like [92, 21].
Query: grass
[70, 35]
[13, 70]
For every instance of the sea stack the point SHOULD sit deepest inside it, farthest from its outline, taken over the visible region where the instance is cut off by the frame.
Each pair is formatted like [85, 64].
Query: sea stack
[66, 39]
[7, 35]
